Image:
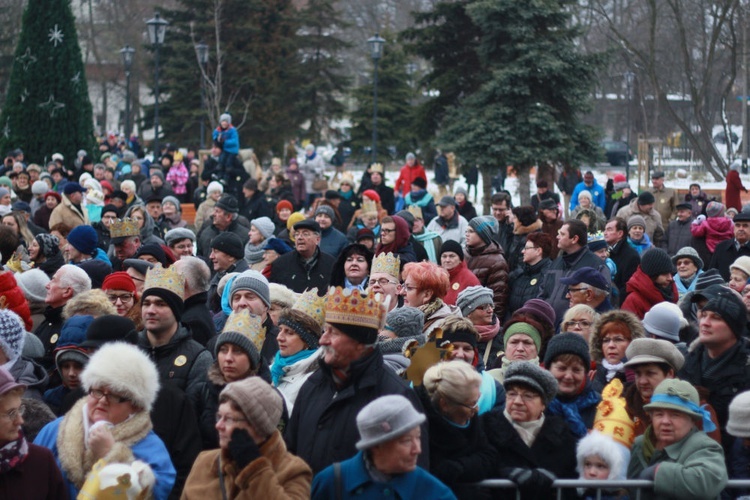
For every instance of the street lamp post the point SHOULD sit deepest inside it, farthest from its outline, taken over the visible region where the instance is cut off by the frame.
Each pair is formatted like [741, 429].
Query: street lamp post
[201, 51]
[376, 52]
[127, 61]
[629, 78]
[157, 28]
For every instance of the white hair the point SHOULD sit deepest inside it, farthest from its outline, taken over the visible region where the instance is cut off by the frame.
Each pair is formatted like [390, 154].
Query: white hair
[74, 277]
[196, 272]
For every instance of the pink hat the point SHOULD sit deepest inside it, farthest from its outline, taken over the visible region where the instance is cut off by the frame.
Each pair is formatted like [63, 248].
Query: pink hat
[7, 382]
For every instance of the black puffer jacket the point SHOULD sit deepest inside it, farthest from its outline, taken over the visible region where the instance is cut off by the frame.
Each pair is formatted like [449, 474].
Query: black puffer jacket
[49, 332]
[197, 318]
[290, 270]
[525, 284]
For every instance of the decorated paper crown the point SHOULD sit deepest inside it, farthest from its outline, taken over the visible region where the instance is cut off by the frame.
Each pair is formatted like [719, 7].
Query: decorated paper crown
[416, 211]
[351, 307]
[166, 279]
[612, 418]
[124, 227]
[248, 325]
[387, 263]
[310, 303]
[134, 481]
[377, 167]
[369, 206]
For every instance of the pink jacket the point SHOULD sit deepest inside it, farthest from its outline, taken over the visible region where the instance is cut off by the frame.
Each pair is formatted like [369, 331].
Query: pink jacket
[178, 177]
[715, 230]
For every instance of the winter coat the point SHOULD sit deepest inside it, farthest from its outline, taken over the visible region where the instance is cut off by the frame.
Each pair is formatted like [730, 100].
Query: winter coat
[42, 216]
[204, 212]
[714, 230]
[525, 284]
[25, 371]
[538, 198]
[229, 139]
[489, 266]
[442, 171]
[698, 203]
[146, 190]
[725, 254]
[256, 206]
[36, 477]
[627, 261]
[349, 204]
[621, 202]
[678, 236]
[460, 278]
[209, 232]
[454, 230]
[406, 176]
[690, 469]
[177, 177]
[654, 227]
[291, 271]
[424, 200]
[323, 430]
[197, 318]
[49, 332]
[311, 168]
[732, 197]
[597, 195]
[295, 377]
[299, 187]
[665, 202]
[134, 440]
[504, 236]
[356, 481]
[467, 210]
[68, 213]
[332, 241]
[514, 254]
[643, 294]
[387, 198]
[568, 180]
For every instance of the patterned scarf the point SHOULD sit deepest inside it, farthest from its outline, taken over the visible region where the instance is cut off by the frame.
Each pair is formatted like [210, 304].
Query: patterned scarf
[488, 332]
[13, 454]
[431, 308]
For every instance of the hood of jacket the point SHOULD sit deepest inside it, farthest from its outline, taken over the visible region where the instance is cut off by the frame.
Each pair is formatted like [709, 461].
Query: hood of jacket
[148, 222]
[721, 225]
[27, 372]
[629, 319]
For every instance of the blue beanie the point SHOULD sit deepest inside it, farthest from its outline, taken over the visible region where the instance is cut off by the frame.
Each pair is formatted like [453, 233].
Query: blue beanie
[278, 245]
[84, 239]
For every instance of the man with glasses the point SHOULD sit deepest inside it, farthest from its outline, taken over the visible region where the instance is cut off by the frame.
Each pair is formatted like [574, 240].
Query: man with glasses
[306, 266]
[81, 250]
[384, 278]
[501, 205]
[587, 286]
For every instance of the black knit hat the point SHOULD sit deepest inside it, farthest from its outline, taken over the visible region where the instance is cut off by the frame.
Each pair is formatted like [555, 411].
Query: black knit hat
[655, 262]
[567, 343]
[467, 336]
[728, 304]
[229, 243]
[646, 198]
[175, 303]
[708, 278]
[228, 203]
[110, 328]
[451, 246]
[420, 183]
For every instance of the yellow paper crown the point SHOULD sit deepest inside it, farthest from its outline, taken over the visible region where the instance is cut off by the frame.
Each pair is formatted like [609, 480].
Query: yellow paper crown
[116, 481]
[351, 307]
[369, 206]
[416, 211]
[248, 325]
[166, 279]
[124, 227]
[377, 167]
[387, 263]
[310, 303]
[612, 418]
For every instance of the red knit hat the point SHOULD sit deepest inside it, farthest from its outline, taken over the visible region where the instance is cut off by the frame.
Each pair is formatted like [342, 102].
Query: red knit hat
[54, 195]
[284, 204]
[12, 297]
[119, 281]
[372, 194]
[619, 178]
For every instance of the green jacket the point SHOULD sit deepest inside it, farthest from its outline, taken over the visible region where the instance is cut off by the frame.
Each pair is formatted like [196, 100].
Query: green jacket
[692, 469]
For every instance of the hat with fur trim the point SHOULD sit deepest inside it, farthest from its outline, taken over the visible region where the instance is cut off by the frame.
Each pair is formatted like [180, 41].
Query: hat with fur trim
[616, 455]
[125, 370]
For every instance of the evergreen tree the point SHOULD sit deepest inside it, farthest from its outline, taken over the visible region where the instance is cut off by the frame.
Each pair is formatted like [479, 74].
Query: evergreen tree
[47, 107]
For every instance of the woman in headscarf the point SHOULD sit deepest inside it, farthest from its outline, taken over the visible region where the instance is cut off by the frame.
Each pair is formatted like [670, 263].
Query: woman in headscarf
[394, 238]
[149, 231]
[44, 252]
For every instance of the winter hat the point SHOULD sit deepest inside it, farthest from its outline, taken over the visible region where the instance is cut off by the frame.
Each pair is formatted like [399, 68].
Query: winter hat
[585, 194]
[680, 395]
[72, 335]
[261, 404]
[178, 234]
[741, 264]
[522, 329]
[644, 351]
[655, 262]
[533, 376]
[485, 226]
[405, 322]
[225, 117]
[110, 328]
[366, 234]
[155, 170]
[728, 304]
[386, 418]
[109, 208]
[214, 186]
[325, 210]
[567, 343]
[39, 187]
[451, 246]
[636, 220]
[277, 245]
[548, 204]
[299, 320]
[73, 187]
[4, 192]
[84, 239]
[707, 279]
[14, 299]
[265, 226]
[460, 190]
[663, 321]
[154, 250]
[12, 334]
[540, 309]
[614, 454]
[738, 424]
[307, 224]
[230, 244]
[119, 281]
[228, 203]
[33, 284]
[646, 198]
[125, 370]
[690, 253]
[281, 295]
[474, 296]
[420, 183]
[284, 204]
[252, 281]
[460, 333]
[714, 209]
[174, 201]
[8, 383]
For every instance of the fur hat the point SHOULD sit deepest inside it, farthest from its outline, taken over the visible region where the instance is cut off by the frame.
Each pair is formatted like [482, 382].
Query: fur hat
[281, 295]
[613, 453]
[214, 186]
[261, 403]
[125, 370]
[474, 296]
[265, 226]
[33, 284]
[533, 376]
[39, 187]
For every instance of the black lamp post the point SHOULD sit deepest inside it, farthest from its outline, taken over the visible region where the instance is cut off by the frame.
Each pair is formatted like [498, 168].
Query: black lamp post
[201, 51]
[157, 28]
[376, 52]
[127, 61]
[629, 78]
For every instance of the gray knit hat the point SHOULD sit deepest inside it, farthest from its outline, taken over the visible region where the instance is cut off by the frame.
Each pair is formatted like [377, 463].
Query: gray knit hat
[225, 117]
[33, 284]
[261, 404]
[690, 253]
[472, 297]
[255, 282]
[636, 220]
[485, 226]
[405, 321]
[533, 376]
[707, 279]
[644, 351]
[178, 234]
[325, 210]
[12, 334]
[39, 187]
[264, 225]
[174, 201]
[386, 418]
[738, 424]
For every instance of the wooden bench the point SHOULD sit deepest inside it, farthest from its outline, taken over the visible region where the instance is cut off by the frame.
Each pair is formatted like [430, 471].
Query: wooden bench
[188, 213]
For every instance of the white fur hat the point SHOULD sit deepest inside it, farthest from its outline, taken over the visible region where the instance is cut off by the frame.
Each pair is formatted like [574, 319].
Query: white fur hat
[616, 455]
[124, 369]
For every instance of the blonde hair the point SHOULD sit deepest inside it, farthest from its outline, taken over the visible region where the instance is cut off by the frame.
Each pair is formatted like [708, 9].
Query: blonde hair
[91, 303]
[580, 309]
[450, 379]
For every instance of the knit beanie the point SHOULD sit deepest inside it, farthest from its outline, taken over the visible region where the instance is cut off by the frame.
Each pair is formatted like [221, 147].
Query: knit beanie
[405, 321]
[540, 309]
[533, 376]
[33, 284]
[728, 304]
[408, 217]
[451, 246]
[225, 117]
[708, 278]
[646, 198]
[742, 264]
[230, 244]
[178, 234]
[472, 297]
[214, 186]
[738, 424]
[119, 281]
[714, 209]
[420, 183]
[691, 253]
[72, 335]
[12, 334]
[84, 239]
[154, 250]
[174, 201]
[284, 204]
[522, 329]
[39, 187]
[265, 226]
[303, 325]
[470, 337]
[655, 262]
[155, 170]
[325, 210]
[636, 220]
[260, 403]
[485, 226]
[567, 343]
[110, 328]
[14, 298]
[252, 281]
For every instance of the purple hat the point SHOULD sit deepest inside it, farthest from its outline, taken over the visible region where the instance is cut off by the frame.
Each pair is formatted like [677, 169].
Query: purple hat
[587, 275]
[539, 309]
[7, 382]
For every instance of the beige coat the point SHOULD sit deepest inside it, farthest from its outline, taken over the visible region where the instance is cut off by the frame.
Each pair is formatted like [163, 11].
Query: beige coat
[66, 213]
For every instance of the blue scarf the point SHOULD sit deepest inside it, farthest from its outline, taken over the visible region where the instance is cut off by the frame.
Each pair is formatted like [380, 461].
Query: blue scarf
[348, 195]
[279, 362]
[570, 410]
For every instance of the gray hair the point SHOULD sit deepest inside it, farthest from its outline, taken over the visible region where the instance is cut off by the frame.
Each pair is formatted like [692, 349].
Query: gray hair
[196, 272]
[74, 277]
[450, 379]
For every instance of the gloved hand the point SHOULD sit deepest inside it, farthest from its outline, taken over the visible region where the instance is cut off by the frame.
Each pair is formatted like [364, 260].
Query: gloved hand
[699, 219]
[520, 476]
[649, 473]
[532, 483]
[242, 448]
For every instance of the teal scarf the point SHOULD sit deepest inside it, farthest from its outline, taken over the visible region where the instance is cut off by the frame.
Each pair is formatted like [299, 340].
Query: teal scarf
[280, 362]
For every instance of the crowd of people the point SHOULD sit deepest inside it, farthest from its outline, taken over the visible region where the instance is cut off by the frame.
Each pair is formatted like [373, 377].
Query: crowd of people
[309, 334]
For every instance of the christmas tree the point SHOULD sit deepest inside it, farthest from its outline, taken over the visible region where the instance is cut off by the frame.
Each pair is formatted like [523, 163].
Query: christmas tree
[47, 108]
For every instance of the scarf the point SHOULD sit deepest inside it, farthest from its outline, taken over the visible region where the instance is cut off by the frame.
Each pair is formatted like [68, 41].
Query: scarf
[431, 308]
[280, 362]
[570, 410]
[570, 258]
[713, 369]
[400, 239]
[649, 444]
[488, 332]
[348, 195]
[254, 253]
[451, 223]
[310, 263]
[667, 293]
[13, 454]
[527, 431]
[612, 369]
[505, 363]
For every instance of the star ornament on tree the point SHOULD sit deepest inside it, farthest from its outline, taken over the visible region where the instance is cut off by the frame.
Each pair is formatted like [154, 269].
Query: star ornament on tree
[26, 59]
[55, 36]
[52, 106]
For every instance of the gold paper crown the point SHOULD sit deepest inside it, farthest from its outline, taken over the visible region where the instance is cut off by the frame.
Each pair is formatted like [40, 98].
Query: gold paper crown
[351, 307]
[124, 227]
[369, 206]
[612, 418]
[416, 211]
[377, 167]
[310, 303]
[387, 263]
[166, 279]
[248, 325]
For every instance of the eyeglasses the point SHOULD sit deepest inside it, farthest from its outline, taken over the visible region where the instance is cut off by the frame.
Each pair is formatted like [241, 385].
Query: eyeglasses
[110, 217]
[387, 231]
[123, 297]
[581, 322]
[110, 397]
[614, 340]
[408, 288]
[526, 397]
[571, 290]
[473, 407]
[383, 282]
[303, 234]
[229, 420]
[528, 248]
[486, 307]
[13, 414]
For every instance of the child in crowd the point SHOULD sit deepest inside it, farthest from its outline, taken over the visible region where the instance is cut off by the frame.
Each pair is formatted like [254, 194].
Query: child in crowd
[228, 139]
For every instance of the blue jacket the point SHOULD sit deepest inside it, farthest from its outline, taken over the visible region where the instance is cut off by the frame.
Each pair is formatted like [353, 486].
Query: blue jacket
[356, 483]
[231, 139]
[597, 195]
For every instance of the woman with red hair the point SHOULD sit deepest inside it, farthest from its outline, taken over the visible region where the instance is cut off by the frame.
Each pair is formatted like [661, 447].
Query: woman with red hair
[394, 238]
[425, 285]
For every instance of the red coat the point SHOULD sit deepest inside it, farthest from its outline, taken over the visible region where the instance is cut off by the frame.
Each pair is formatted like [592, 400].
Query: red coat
[406, 176]
[714, 230]
[461, 278]
[734, 187]
[643, 294]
